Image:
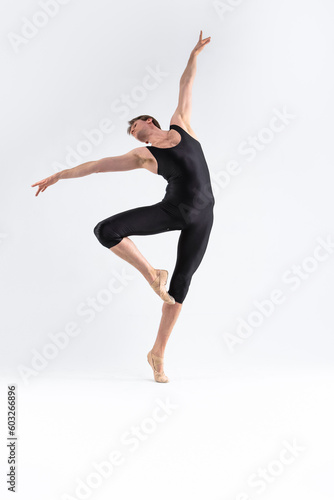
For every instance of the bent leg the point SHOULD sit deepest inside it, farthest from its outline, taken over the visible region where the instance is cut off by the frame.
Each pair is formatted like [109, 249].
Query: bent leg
[152, 219]
[192, 245]
[113, 231]
[128, 251]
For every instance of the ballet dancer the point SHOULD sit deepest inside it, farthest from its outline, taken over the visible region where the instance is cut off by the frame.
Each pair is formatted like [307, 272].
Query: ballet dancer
[177, 155]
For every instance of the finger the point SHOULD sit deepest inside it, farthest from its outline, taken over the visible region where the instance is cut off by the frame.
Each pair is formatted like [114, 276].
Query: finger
[39, 183]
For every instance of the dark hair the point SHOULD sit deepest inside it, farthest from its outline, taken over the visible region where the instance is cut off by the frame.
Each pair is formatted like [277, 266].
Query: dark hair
[142, 117]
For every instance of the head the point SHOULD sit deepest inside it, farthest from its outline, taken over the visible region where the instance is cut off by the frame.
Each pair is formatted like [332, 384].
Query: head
[141, 126]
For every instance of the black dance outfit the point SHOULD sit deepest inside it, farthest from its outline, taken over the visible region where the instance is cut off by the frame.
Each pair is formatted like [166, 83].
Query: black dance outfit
[187, 206]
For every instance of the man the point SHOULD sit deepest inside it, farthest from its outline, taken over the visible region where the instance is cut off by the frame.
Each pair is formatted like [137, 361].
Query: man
[187, 206]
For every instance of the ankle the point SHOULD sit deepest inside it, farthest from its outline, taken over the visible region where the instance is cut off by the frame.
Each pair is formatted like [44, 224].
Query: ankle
[159, 353]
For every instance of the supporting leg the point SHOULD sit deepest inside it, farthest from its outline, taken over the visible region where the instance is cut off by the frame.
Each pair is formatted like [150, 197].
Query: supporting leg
[170, 313]
[192, 245]
[128, 251]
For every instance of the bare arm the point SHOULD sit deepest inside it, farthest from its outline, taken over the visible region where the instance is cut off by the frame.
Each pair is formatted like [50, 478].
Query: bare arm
[183, 109]
[80, 171]
[128, 161]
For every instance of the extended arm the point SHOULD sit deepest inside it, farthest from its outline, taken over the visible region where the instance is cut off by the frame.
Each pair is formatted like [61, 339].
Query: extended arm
[183, 109]
[80, 171]
[128, 161]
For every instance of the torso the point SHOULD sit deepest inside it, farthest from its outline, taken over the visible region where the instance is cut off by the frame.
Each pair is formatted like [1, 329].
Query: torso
[151, 163]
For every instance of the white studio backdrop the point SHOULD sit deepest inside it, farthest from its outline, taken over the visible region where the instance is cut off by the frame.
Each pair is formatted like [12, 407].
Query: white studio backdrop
[262, 108]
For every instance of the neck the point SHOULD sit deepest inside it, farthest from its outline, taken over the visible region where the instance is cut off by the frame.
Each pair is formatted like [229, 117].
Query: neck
[158, 136]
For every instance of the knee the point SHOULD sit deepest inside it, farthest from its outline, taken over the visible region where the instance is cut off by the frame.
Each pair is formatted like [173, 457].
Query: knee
[179, 287]
[106, 234]
[99, 231]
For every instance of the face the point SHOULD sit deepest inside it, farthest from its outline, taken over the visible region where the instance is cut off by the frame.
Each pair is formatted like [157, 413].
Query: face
[139, 130]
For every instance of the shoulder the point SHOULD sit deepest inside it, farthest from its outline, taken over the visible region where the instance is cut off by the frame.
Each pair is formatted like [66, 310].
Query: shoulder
[177, 120]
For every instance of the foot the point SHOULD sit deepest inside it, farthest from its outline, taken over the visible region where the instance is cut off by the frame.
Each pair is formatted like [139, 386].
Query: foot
[159, 286]
[156, 363]
[153, 276]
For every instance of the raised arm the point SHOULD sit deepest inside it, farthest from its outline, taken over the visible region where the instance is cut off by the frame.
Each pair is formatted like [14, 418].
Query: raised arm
[183, 109]
[128, 161]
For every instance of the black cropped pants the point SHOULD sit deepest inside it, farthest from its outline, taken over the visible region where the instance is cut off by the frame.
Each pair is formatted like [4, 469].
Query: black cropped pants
[159, 218]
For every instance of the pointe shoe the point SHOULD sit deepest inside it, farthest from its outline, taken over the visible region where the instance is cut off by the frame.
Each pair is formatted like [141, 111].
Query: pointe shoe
[154, 361]
[159, 286]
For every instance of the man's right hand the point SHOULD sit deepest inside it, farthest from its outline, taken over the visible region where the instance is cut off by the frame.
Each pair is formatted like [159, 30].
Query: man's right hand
[43, 184]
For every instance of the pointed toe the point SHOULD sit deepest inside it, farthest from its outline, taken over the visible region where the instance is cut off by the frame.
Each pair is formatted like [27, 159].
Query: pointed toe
[155, 361]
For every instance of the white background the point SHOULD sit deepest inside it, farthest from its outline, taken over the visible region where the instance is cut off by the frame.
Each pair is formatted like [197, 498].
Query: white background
[236, 407]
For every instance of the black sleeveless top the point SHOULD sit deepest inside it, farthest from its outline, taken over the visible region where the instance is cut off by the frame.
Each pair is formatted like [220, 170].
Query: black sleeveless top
[185, 169]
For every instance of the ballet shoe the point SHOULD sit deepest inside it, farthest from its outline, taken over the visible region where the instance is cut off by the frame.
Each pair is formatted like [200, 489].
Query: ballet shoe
[154, 361]
[159, 286]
